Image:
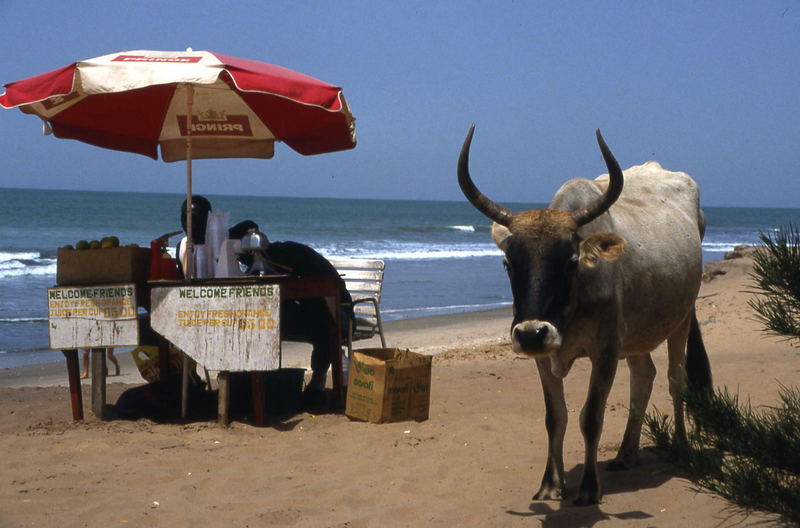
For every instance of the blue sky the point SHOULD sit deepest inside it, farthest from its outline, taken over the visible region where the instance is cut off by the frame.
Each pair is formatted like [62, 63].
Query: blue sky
[709, 88]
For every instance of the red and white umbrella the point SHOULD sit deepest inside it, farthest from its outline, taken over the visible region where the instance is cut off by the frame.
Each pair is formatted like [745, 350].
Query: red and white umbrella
[140, 102]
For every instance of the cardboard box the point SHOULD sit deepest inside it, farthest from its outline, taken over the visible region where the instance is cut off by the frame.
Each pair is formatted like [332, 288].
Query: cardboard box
[388, 385]
[102, 266]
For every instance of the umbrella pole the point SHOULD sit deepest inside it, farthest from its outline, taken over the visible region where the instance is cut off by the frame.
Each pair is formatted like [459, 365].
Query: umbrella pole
[189, 243]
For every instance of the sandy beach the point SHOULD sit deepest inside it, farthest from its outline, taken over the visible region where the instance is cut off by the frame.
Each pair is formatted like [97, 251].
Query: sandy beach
[475, 462]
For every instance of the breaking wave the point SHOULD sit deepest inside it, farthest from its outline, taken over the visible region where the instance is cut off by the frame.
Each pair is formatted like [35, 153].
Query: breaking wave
[16, 264]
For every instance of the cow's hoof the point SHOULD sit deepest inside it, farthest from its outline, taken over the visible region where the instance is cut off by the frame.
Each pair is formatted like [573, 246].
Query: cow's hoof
[547, 493]
[586, 499]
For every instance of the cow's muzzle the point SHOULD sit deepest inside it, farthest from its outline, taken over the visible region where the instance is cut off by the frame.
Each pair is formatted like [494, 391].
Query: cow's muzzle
[535, 338]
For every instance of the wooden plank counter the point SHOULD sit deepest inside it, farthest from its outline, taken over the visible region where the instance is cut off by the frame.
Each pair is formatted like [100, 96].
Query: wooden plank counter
[248, 320]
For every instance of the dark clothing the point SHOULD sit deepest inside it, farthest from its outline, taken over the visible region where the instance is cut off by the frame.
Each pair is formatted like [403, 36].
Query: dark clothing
[306, 320]
[302, 261]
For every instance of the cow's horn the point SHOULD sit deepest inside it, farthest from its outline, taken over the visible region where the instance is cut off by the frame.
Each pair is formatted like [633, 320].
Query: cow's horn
[482, 203]
[601, 205]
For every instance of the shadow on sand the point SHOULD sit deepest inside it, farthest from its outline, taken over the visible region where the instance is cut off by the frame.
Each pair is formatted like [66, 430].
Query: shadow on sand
[650, 473]
[161, 403]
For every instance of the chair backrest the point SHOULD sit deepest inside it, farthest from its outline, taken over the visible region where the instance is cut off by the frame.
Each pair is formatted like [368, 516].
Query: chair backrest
[364, 280]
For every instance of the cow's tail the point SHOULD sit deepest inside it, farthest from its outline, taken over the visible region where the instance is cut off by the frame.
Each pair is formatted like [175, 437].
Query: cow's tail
[698, 369]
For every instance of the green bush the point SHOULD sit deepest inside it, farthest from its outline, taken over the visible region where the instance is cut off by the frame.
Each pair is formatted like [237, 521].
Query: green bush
[749, 458]
[776, 272]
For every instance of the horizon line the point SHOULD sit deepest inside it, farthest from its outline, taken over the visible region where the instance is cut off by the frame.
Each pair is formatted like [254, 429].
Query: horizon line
[463, 200]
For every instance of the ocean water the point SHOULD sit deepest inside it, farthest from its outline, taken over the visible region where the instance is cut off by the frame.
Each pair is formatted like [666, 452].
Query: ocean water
[439, 255]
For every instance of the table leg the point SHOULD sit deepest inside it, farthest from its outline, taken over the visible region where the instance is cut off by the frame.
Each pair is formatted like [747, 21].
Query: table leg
[259, 399]
[223, 398]
[184, 384]
[99, 382]
[74, 376]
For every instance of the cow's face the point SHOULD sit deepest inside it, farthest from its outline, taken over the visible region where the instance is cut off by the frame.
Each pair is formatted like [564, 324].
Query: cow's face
[544, 257]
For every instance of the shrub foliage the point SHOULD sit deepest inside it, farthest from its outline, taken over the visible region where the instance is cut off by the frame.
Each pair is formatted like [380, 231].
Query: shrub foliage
[776, 273]
[749, 457]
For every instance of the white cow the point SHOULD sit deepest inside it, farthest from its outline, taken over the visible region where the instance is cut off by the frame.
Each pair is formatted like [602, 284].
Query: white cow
[608, 271]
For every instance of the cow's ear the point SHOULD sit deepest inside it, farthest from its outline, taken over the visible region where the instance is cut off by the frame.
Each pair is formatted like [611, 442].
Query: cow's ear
[606, 246]
[500, 235]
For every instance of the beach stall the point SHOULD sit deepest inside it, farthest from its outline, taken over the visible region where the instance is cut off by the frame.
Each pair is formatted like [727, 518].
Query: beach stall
[186, 105]
[226, 325]
[104, 298]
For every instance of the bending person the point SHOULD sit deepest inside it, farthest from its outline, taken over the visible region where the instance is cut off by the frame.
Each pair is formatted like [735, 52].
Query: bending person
[306, 319]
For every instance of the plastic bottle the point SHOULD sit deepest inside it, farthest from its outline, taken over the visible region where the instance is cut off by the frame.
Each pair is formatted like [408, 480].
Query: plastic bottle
[200, 262]
[345, 368]
[216, 234]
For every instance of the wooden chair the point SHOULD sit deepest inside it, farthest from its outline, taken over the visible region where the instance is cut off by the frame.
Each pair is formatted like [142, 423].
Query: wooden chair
[364, 280]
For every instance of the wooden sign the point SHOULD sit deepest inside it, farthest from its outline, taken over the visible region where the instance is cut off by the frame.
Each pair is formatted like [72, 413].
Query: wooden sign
[227, 328]
[92, 316]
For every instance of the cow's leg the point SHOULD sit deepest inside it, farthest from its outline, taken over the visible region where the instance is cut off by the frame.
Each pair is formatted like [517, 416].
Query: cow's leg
[604, 368]
[643, 372]
[553, 487]
[676, 350]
